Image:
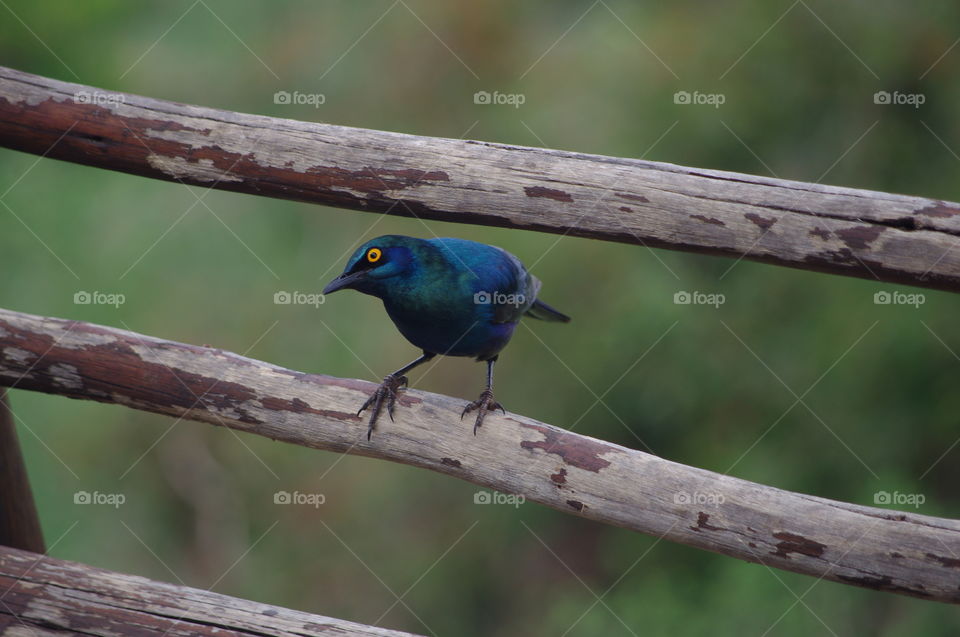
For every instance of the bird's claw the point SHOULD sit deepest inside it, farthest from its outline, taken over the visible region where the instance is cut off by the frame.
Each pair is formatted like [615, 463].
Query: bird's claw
[387, 391]
[482, 405]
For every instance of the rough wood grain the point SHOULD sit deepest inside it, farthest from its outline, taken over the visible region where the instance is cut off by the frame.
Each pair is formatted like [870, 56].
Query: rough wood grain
[864, 546]
[846, 231]
[45, 596]
[19, 523]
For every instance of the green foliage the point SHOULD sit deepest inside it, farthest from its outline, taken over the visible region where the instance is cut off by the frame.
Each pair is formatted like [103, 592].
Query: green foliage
[718, 391]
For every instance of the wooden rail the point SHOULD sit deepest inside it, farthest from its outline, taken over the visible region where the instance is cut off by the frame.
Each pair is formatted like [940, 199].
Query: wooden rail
[846, 231]
[885, 550]
[45, 596]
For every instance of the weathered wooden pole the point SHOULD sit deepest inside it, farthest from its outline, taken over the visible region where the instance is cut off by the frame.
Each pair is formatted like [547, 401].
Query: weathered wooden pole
[19, 523]
[865, 546]
[862, 233]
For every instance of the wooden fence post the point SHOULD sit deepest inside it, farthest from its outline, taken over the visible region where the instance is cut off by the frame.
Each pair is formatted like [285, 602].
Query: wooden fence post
[19, 524]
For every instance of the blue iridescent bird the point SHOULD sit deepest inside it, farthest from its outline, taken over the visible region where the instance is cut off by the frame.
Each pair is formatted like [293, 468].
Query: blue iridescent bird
[446, 296]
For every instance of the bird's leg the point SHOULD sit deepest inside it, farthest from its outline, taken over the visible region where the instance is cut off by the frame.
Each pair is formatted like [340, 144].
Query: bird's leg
[387, 391]
[486, 402]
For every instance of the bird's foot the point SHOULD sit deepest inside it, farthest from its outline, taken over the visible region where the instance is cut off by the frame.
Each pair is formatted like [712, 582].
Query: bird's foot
[482, 405]
[385, 393]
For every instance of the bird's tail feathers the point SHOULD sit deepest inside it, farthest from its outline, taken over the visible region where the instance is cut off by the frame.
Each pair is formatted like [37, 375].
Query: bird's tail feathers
[542, 311]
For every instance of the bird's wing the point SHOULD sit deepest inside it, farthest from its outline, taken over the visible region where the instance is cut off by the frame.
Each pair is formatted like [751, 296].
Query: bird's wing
[518, 290]
[501, 287]
[528, 289]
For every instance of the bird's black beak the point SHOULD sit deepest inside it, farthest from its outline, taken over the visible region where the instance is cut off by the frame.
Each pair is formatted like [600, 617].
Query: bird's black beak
[344, 281]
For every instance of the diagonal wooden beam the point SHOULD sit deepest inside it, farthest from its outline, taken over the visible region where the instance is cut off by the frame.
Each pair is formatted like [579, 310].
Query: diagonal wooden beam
[885, 550]
[847, 231]
[46, 596]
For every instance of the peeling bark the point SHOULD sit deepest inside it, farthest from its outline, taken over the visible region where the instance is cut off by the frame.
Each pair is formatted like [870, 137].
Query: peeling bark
[46, 596]
[846, 231]
[885, 550]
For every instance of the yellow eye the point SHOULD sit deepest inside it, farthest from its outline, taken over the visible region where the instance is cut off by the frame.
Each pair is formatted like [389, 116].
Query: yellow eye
[373, 255]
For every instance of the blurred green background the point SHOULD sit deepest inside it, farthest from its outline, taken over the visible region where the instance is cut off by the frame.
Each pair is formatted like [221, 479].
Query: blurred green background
[713, 387]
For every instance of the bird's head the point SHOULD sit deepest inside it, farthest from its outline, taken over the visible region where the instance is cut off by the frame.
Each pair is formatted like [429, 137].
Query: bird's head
[375, 263]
